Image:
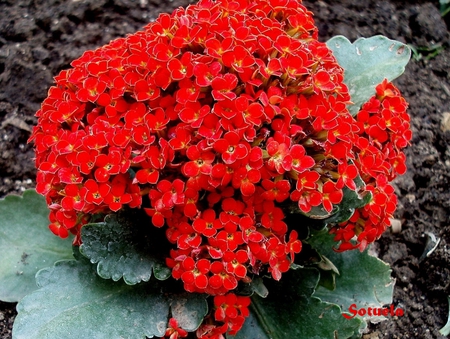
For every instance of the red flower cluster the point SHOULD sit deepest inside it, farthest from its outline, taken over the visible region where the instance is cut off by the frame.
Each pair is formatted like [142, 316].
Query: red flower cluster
[383, 130]
[229, 316]
[213, 119]
[215, 113]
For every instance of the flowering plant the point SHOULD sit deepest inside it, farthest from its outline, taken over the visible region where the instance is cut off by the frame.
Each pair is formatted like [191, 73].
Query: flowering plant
[209, 156]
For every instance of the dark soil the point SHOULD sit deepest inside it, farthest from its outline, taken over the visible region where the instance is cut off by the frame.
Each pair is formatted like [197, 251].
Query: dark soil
[38, 38]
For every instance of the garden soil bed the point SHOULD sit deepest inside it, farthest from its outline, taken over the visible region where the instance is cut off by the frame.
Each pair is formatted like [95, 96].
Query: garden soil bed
[39, 38]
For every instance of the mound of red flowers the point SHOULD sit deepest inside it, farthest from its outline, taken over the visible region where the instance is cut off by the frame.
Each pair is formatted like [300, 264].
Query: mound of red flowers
[213, 119]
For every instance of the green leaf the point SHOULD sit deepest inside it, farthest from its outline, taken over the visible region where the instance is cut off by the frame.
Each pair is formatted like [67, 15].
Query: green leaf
[258, 287]
[327, 265]
[363, 280]
[121, 249]
[24, 218]
[328, 280]
[74, 302]
[367, 62]
[445, 331]
[255, 286]
[291, 312]
[252, 328]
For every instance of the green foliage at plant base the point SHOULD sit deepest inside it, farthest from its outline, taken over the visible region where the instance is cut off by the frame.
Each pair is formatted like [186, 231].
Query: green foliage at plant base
[292, 311]
[26, 244]
[74, 302]
[363, 279]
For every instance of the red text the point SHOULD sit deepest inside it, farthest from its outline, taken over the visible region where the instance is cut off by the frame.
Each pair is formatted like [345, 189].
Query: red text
[373, 311]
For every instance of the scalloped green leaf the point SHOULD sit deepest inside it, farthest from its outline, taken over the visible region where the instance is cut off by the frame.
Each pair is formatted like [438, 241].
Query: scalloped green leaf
[121, 250]
[367, 62]
[290, 311]
[363, 280]
[21, 219]
[74, 302]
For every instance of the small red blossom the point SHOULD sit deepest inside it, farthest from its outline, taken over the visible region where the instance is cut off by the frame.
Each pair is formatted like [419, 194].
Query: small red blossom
[231, 147]
[223, 87]
[207, 224]
[205, 74]
[331, 196]
[174, 331]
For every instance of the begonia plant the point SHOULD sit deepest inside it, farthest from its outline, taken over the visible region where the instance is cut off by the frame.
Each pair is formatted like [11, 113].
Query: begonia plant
[219, 174]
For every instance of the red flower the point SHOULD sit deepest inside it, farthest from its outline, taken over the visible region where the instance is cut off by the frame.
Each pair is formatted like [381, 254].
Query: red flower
[331, 195]
[231, 147]
[207, 224]
[231, 236]
[201, 162]
[174, 331]
[193, 114]
[239, 59]
[322, 81]
[95, 193]
[205, 74]
[215, 47]
[107, 165]
[279, 159]
[234, 263]
[195, 273]
[278, 191]
[91, 90]
[189, 91]
[172, 193]
[57, 229]
[231, 309]
[145, 90]
[272, 218]
[300, 161]
[231, 210]
[293, 245]
[117, 196]
[347, 174]
[72, 199]
[245, 179]
[181, 68]
[223, 87]
[188, 239]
